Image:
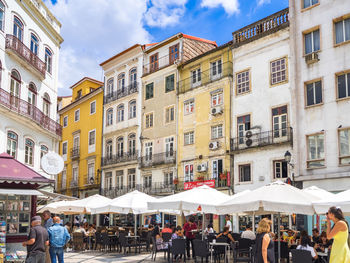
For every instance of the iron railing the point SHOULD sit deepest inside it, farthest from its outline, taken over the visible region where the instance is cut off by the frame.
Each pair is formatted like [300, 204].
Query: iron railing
[119, 158]
[261, 28]
[30, 111]
[120, 93]
[260, 139]
[208, 76]
[75, 152]
[158, 159]
[16, 45]
[162, 62]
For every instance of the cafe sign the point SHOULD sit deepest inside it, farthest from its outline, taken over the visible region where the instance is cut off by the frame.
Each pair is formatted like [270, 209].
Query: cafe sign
[191, 185]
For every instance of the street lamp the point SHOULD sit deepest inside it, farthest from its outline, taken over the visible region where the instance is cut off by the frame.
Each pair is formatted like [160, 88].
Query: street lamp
[288, 158]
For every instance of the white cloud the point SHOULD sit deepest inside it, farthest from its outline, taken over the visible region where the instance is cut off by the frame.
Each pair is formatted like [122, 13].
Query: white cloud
[231, 6]
[262, 2]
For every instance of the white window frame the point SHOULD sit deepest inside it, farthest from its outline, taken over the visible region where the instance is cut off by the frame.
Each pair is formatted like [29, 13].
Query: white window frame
[344, 139]
[120, 112]
[239, 172]
[93, 103]
[196, 77]
[92, 147]
[148, 151]
[189, 138]
[169, 112]
[88, 171]
[217, 66]
[149, 122]
[312, 41]
[64, 178]
[65, 121]
[218, 97]
[217, 132]
[189, 107]
[109, 116]
[64, 155]
[189, 176]
[275, 169]
[276, 69]
[320, 158]
[215, 168]
[75, 115]
[241, 86]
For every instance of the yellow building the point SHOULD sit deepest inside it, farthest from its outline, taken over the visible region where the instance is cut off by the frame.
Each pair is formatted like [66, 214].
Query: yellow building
[80, 146]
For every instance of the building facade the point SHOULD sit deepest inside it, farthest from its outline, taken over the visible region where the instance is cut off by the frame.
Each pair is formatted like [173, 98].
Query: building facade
[122, 122]
[81, 144]
[30, 44]
[320, 42]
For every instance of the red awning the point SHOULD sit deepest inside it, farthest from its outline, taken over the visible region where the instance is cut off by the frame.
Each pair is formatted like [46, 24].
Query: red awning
[12, 170]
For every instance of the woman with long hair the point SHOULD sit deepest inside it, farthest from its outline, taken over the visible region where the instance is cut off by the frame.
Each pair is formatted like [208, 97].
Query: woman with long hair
[340, 252]
[265, 252]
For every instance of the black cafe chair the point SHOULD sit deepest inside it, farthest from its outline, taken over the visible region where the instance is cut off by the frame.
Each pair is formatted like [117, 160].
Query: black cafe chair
[200, 250]
[178, 248]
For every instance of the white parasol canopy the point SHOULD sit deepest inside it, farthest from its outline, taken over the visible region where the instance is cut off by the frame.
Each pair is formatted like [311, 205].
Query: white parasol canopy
[341, 200]
[318, 192]
[53, 207]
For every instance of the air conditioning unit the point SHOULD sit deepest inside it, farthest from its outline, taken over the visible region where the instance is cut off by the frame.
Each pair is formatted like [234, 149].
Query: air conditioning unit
[216, 110]
[252, 136]
[213, 145]
[311, 58]
[202, 167]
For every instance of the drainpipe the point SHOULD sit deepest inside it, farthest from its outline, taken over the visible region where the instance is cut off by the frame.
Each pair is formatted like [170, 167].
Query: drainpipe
[102, 144]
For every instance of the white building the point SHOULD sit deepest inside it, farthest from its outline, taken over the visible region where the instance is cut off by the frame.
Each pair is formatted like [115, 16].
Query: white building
[320, 42]
[29, 52]
[261, 102]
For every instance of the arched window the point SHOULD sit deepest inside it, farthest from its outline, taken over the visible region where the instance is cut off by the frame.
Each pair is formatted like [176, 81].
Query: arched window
[120, 113]
[109, 149]
[132, 109]
[43, 150]
[133, 78]
[121, 83]
[132, 144]
[120, 146]
[2, 15]
[109, 119]
[34, 44]
[12, 143]
[46, 104]
[110, 85]
[15, 87]
[18, 28]
[29, 152]
[32, 93]
[48, 60]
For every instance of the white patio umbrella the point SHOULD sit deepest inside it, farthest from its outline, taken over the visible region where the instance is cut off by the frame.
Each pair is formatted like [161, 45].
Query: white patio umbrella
[341, 200]
[53, 207]
[318, 192]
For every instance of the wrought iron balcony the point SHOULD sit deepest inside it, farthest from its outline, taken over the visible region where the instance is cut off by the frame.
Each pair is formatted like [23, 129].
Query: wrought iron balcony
[132, 88]
[208, 76]
[119, 158]
[261, 139]
[16, 46]
[158, 159]
[261, 28]
[29, 111]
[160, 63]
[74, 153]
[74, 184]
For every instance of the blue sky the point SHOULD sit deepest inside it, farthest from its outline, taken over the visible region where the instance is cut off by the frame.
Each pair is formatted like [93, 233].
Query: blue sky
[93, 33]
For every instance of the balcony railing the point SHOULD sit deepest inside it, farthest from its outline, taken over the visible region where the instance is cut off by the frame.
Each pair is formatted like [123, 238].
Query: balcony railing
[119, 158]
[74, 152]
[28, 110]
[261, 28]
[260, 139]
[132, 88]
[74, 184]
[208, 76]
[14, 44]
[158, 159]
[162, 62]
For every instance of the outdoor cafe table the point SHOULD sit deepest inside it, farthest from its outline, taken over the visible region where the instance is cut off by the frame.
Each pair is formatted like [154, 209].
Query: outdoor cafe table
[323, 256]
[222, 244]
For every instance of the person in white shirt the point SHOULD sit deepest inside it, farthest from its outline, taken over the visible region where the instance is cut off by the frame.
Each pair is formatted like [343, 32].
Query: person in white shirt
[228, 223]
[209, 229]
[304, 245]
[248, 233]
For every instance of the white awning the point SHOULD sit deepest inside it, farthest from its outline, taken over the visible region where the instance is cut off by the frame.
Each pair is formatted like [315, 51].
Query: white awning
[19, 192]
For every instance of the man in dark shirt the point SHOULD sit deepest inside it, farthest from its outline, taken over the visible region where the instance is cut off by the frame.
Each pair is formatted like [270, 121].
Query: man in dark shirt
[38, 239]
[315, 235]
[189, 227]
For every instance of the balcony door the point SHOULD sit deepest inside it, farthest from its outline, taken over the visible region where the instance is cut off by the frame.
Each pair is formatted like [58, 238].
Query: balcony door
[169, 147]
[15, 87]
[148, 151]
[280, 122]
[133, 78]
[76, 143]
[32, 95]
[243, 125]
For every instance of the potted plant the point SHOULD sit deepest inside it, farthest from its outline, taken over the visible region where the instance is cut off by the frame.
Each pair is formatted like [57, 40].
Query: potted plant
[223, 176]
[200, 178]
[176, 181]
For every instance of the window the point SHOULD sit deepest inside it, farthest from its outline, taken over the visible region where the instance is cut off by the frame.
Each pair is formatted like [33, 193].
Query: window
[215, 69]
[64, 148]
[280, 121]
[119, 179]
[18, 28]
[48, 60]
[344, 146]
[64, 179]
[148, 151]
[312, 41]
[132, 144]
[280, 169]
[131, 178]
[110, 84]
[244, 173]
[170, 83]
[189, 138]
[149, 120]
[29, 152]
[173, 53]
[342, 31]
[216, 99]
[75, 173]
[109, 117]
[43, 150]
[32, 93]
[108, 180]
[188, 173]
[243, 125]
[92, 136]
[133, 78]
[121, 83]
[91, 173]
[147, 181]
[315, 151]
[15, 87]
[12, 143]
[79, 94]
[243, 82]
[120, 147]
[168, 178]
[216, 168]
[188, 107]
[132, 109]
[170, 114]
[34, 44]
[120, 113]
[149, 91]
[313, 93]
[2, 14]
[308, 3]
[46, 104]
[196, 77]
[278, 71]
[65, 121]
[76, 142]
[216, 131]
[77, 115]
[93, 107]
[109, 149]
[169, 147]
[154, 62]
[343, 84]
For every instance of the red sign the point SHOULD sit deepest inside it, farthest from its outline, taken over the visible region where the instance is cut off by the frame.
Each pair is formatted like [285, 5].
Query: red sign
[191, 185]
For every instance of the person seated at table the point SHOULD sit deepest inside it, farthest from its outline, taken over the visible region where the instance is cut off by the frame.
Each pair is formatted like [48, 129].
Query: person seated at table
[323, 243]
[178, 234]
[68, 225]
[226, 235]
[248, 233]
[209, 229]
[160, 243]
[315, 235]
[166, 229]
[155, 231]
[81, 229]
[304, 245]
[291, 236]
[91, 231]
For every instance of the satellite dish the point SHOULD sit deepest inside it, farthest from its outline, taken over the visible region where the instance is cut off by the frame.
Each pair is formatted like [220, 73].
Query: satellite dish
[52, 163]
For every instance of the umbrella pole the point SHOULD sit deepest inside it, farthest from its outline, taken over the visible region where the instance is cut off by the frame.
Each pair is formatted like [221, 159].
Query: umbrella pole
[135, 227]
[162, 219]
[279, 236]
[203, 226]
[253, 222]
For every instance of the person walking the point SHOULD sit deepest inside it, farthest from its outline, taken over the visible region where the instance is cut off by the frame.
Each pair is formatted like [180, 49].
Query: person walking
[264, 249]
[58, 237]
[38, 239]
[188, 228]
[340, 252]
[47, 223]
